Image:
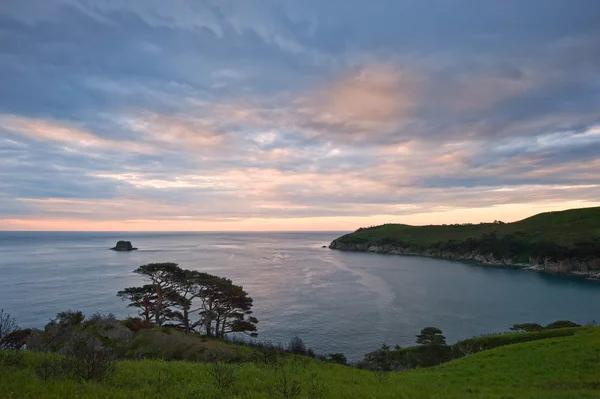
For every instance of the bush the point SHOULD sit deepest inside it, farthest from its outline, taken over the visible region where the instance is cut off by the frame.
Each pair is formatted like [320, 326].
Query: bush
[223, 374]
[87, 358]
[136, 324]
[296, 346]
[316, 387]
[8, 326]
[527, 327]
[562, 324]
[267, 353]
[16, 340]
[52, 366]
[431, 336]
[69, 318]
[338, 358]
[287, 384]
[473, 345]
[11, 359]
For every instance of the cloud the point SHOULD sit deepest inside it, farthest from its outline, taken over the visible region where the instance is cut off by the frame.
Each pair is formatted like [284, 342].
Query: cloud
[65, 134]
[375, 100]
[206, 112]
[177, 130]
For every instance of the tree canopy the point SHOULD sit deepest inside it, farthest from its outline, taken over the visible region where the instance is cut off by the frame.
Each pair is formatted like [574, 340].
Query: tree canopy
[193, 300]
[431, 336]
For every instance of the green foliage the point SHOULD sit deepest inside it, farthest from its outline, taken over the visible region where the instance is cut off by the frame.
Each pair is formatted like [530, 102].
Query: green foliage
[69, 318]
[431, 336]
[485, 342]
[555, 368]
[562, 235]
[223, 374]
[8, 326]
[87, 359]
[527, 327]
[11, 358]
[177, 295]
[288, 384]
[338, 358]
[562, 324]
[296, 346]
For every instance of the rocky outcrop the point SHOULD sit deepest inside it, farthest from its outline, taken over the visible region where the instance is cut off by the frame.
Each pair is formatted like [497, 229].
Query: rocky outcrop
[123, 246]
[589, 268]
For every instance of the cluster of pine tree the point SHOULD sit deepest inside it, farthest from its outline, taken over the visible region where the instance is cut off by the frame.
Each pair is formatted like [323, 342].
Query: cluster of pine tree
[193, 300]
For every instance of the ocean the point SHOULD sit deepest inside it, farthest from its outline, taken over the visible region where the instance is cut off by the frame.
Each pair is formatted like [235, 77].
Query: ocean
[335, 301]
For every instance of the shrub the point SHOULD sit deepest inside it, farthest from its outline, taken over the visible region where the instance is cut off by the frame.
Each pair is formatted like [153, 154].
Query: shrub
[316, 388]
[473, 345]
[266, 353]
[16, 340]
[11, 359]
[562, 324]
[69, 318]
[338, 358]
[287, 384]
[8, 326]
[296, 346]
[52, 366]
[87, 358]
[527, 327]
[223, 374]
[136, 324]
[431, 336]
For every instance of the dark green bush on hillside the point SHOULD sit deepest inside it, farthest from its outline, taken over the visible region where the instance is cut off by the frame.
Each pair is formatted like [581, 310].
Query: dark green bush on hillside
[338, 358]
[477, 344]
[562, 324]
[431, 336]
[527, 327]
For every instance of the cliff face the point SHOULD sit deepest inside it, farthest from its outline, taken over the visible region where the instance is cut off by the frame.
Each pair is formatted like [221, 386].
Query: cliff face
[589, 268]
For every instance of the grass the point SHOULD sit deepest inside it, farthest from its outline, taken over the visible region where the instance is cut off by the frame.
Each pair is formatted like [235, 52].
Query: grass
[170, 344]
[486, 342]
[560, 367]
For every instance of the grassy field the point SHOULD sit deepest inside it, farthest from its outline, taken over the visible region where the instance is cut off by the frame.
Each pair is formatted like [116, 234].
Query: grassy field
[561, 367]
[563, 228]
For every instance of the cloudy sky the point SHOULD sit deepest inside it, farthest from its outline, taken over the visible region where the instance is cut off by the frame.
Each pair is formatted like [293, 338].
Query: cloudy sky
[295, 115]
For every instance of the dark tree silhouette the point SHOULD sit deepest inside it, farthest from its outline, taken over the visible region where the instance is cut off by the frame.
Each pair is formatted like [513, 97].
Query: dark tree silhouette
[176, 294]
[226, 309]
[162, 277]
[143, 298]
[431, 336]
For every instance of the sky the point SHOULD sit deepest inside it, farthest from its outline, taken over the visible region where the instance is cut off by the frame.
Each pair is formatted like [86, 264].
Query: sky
[295, 115]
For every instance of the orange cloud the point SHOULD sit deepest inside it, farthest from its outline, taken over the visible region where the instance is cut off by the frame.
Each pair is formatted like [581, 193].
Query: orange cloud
[376, 99]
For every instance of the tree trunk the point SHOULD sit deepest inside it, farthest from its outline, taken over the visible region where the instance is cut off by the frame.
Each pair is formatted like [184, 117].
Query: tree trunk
[159, 301]
[186, 320]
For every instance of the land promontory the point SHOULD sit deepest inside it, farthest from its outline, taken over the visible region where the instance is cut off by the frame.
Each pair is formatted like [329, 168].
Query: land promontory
[565, 242]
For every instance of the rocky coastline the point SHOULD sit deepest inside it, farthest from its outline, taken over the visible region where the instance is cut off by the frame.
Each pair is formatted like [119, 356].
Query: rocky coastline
[587, 268]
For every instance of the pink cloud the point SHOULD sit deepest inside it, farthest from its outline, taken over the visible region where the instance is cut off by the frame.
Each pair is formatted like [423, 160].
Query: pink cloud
[67, 134]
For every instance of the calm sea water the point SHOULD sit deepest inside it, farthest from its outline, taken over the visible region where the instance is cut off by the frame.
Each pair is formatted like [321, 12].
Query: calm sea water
[335, 301]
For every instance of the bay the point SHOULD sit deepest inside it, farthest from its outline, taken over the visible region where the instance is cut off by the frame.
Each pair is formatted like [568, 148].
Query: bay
[335, 301]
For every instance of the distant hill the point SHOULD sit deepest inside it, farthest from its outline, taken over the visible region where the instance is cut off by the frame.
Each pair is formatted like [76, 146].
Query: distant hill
[558, 242]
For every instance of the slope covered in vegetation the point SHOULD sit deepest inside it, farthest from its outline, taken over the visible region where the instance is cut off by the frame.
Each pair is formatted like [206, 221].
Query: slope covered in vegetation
[562, 367]
[566, 241]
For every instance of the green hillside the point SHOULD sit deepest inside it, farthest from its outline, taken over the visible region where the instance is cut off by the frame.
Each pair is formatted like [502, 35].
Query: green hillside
[564, 367]
[558, 235]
